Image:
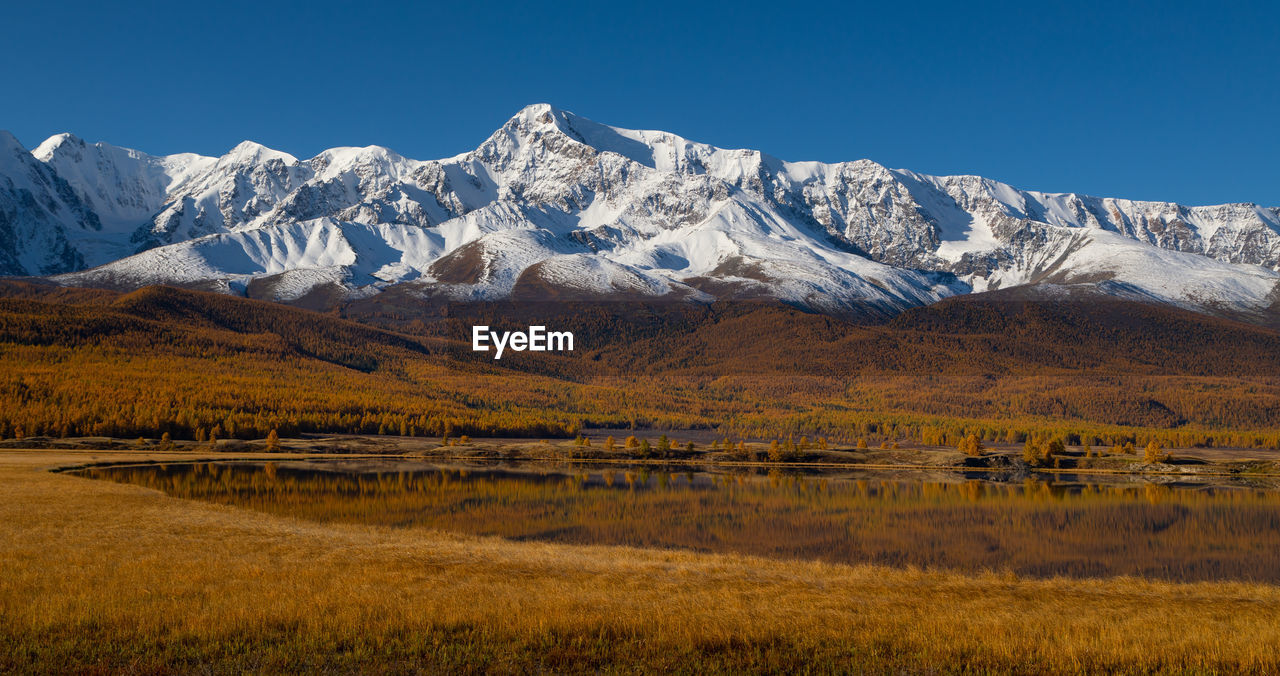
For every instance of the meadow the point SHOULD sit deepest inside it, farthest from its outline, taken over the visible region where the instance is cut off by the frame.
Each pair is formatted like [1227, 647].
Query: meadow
[103, 576]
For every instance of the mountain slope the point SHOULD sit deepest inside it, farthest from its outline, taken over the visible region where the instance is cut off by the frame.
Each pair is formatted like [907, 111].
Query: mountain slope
[37, 211]
[554, 205]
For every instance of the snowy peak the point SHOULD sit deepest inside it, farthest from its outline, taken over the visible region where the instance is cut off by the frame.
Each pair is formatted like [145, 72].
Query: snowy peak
[37, 209]
[251, 153]
[554, 203]
[53, 144]
[602, 138]
[659, 150]
[368, 160]
[122, 186]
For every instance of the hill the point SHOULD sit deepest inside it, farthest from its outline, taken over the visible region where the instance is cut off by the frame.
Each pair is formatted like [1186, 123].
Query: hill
[190, 363]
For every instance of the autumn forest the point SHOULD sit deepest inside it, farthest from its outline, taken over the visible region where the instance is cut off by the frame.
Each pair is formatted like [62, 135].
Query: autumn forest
[202, 366]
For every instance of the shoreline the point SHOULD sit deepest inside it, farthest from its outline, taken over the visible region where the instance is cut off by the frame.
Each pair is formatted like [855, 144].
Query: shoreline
[531, 451]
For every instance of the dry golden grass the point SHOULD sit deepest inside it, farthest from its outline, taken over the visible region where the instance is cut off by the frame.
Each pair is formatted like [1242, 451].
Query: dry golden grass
[99, 576]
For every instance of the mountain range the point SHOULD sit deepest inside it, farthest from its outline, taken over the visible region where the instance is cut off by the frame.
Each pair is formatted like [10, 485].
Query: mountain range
[555, 206]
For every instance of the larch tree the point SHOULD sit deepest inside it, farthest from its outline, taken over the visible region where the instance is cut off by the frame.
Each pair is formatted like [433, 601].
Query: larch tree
[1154, 453]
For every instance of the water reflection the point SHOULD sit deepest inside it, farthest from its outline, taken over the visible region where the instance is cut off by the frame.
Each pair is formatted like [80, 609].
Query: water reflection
[1031, 527]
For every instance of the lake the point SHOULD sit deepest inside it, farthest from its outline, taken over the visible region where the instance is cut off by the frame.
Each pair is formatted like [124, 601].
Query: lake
[1052, 525]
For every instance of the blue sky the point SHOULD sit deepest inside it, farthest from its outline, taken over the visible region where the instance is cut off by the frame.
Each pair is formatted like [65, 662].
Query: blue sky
[1164, 101]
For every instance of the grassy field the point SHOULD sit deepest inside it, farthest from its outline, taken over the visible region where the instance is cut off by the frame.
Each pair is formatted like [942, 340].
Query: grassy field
[101, 577]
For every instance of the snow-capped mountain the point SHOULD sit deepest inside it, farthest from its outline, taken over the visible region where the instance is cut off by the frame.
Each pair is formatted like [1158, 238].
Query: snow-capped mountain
[37, 208]
[553, 204]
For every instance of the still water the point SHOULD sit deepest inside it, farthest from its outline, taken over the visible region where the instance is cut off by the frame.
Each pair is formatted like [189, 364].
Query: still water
[1043, 527]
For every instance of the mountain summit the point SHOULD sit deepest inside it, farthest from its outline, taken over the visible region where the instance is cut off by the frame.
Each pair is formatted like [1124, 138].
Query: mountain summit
[555, 205]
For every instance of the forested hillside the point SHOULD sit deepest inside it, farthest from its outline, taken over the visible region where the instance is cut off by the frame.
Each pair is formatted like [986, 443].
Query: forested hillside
[196, 365]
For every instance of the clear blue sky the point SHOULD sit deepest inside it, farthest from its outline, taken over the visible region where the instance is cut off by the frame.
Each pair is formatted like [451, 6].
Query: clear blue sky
[1157, 100]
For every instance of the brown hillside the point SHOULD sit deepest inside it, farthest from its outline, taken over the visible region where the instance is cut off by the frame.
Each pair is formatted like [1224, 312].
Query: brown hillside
[192, 364]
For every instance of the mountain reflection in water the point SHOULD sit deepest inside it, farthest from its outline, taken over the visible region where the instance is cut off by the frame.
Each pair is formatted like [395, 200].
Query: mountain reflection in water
[1029, 527]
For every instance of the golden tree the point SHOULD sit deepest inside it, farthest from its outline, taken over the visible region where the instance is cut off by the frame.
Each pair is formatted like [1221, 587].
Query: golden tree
[972, 446]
